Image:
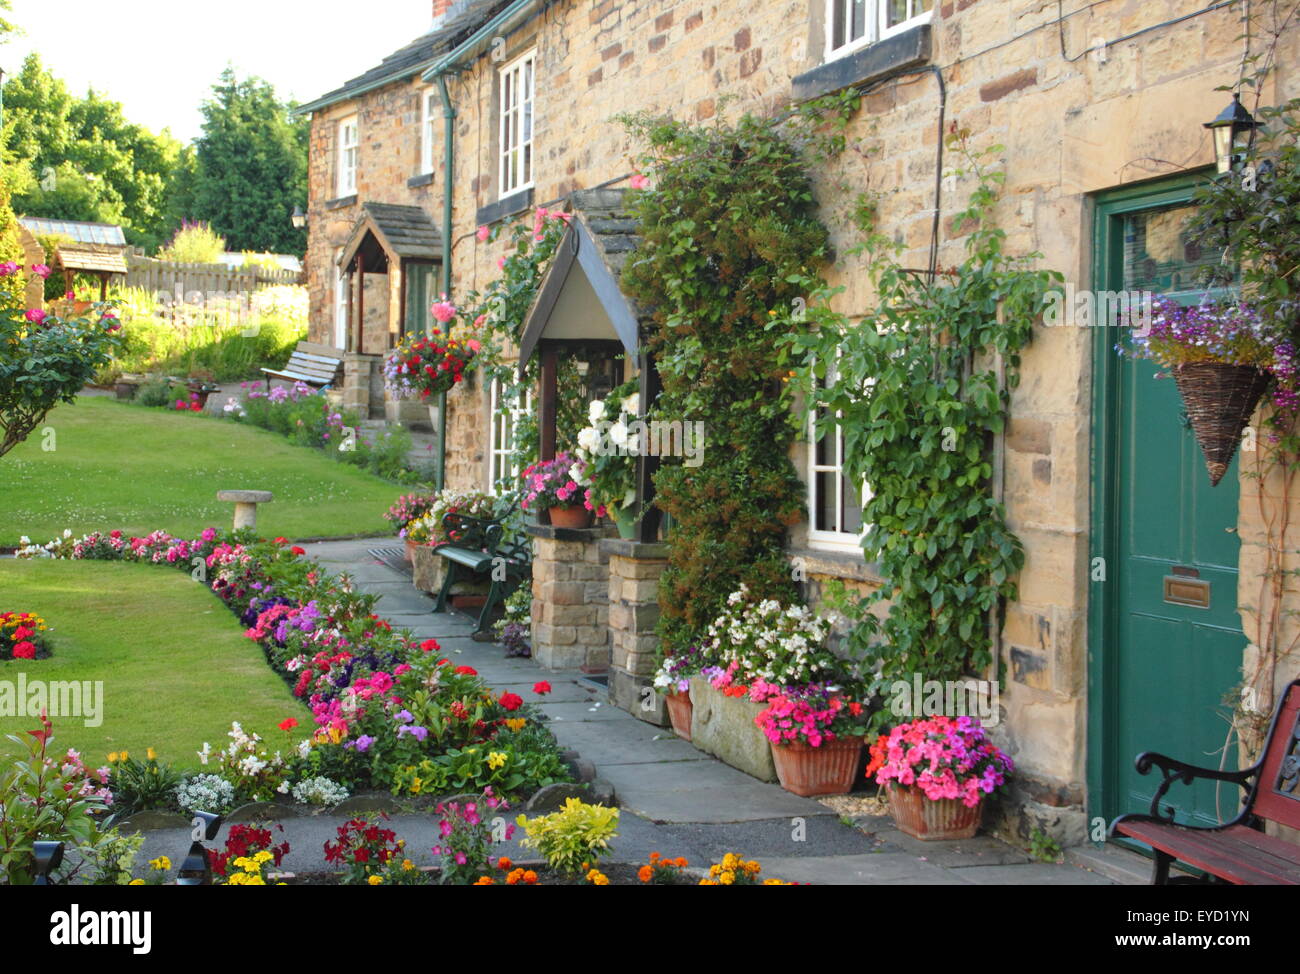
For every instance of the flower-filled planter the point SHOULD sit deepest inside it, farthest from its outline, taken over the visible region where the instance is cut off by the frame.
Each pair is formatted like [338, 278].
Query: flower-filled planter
[434, 363]
[816, 738]
[556, 487]
[938, 772]
[723, 725]
[1223, 358]
[673, 678]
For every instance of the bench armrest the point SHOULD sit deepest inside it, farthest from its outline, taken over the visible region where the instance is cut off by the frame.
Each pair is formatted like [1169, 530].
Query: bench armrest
[1174, 770]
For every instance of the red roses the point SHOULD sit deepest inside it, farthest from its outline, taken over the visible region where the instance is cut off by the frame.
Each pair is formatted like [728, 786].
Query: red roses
[511, 701]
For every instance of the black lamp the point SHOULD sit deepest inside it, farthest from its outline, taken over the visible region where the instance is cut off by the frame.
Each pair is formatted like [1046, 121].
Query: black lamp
[299, 218]
[49, 856]
[196, 870]
[1233, 131]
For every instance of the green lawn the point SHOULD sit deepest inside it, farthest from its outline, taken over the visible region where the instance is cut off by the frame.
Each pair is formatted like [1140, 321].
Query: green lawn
[175, 664]
[120, 466]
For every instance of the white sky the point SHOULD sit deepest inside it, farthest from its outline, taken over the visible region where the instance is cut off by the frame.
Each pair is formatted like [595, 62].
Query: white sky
[160, 58]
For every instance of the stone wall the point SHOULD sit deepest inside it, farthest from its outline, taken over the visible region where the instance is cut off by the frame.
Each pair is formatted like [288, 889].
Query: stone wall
[634, 571]
[570, 599]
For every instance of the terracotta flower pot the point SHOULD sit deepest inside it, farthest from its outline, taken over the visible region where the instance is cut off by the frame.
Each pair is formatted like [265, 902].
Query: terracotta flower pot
[826, 770]
[570, 517]
[679, 712]
[410, 550]
[923, 818]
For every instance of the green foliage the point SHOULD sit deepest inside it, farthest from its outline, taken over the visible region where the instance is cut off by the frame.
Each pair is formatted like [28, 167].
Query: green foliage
[573, 838]
[1043, 847]
[730, 242]
[12, 289]
[251, 166]
[161, 339]
[194, 243]
[41, 799]
[921, 386]
[138, 785]
[82, 160]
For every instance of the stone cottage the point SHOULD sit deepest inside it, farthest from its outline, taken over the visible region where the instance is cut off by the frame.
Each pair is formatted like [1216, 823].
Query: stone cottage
[505, 106]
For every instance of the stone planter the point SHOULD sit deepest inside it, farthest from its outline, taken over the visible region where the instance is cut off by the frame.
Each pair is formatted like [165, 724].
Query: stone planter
[679, 712]
[826, 770]
[922, 818]
[429, 571]
[411, 549]
[724, 727]
[125, 389]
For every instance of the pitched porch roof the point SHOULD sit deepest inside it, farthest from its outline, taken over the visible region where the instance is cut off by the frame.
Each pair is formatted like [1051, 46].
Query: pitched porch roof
[385, 232]
[584, 277]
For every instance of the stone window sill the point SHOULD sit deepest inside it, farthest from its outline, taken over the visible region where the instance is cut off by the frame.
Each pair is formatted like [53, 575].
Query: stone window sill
[893, 55]
[837, 564]
[504, 207]
[341, 202]
[416, 181]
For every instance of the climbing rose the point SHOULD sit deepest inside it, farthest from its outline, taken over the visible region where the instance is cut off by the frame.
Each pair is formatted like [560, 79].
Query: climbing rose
[639, 181]
[484, 233]
[35, 315]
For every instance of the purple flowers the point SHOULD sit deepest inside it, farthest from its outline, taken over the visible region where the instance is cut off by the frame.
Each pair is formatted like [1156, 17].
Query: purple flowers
[1227, 332]
[416, 731]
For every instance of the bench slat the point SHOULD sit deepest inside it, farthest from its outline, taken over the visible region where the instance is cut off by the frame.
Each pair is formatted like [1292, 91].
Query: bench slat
[1237, 854]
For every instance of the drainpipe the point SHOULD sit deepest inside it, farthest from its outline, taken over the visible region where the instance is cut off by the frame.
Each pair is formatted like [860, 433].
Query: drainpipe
[449, 160]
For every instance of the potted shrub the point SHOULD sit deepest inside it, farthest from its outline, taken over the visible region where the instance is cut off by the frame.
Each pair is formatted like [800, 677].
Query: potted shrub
[1223, 358]
[673, 678]
[609, 451]
[556, 486]
[816, 737]
[938, 772]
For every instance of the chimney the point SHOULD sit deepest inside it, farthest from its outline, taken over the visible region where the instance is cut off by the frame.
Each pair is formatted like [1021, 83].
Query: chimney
[441, 8]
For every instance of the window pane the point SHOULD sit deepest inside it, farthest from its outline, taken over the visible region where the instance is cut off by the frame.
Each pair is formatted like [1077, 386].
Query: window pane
[895, 12]
[824, 455]
[851, 505]
[1159, 255]
[838, 37]
[824, 489]
[858, 27]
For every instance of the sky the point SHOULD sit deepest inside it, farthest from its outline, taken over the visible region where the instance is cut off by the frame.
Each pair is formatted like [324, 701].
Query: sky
[160, 58]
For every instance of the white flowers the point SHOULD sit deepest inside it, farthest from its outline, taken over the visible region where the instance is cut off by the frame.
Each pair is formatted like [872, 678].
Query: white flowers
[205, 792]
[595, 411]
[319, 791]
[589, 439]
[618, 433]
[632, 404]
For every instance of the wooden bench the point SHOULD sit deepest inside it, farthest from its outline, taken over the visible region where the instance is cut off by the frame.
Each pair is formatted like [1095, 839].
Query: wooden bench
[311, 364]
[479, 547]
[1236, 851]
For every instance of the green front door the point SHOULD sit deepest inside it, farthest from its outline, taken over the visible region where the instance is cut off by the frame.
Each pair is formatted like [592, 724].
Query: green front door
[1165, 638]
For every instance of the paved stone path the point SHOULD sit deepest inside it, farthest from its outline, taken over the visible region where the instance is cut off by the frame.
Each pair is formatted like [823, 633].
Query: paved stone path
[675, 800]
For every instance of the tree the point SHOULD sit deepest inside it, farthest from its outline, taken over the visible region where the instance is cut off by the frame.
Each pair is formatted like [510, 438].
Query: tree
[252, 166]
[80, 159]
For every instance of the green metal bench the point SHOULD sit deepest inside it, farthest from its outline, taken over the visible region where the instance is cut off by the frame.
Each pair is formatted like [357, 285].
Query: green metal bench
[480, 549]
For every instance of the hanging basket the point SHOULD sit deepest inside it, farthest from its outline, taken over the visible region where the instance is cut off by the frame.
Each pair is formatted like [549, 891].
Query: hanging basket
[1219, 400]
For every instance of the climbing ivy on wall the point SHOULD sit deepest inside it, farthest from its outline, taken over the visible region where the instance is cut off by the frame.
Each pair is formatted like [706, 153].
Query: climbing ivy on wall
[730, 242]
[921, 385]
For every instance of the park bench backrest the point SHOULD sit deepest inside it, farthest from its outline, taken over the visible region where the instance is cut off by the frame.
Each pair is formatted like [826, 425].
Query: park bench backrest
[1278, 799]
[317, 368]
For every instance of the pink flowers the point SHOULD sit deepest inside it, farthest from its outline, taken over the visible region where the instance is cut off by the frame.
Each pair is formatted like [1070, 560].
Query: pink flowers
[443, 310]
[36, 316]
[41, 271]
[484, 233]
[639, 181]
[947, 758]
[9, 268]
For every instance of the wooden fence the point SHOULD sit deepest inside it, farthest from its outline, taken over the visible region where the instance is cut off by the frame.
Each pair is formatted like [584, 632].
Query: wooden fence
[180, 280]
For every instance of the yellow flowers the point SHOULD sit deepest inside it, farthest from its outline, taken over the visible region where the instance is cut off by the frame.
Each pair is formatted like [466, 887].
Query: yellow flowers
[250, 870]
[735, 871]
[136, 882]
[496, 759]
[162, 864]
[375, 880]
[151, 754]
[597, 878]
[516, 723]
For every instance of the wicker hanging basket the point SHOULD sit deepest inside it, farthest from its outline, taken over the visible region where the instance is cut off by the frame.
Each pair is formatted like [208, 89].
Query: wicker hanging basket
[1219, 400]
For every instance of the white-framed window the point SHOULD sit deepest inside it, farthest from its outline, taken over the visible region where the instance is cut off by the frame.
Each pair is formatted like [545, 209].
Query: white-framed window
[501, 436]
[834, 505]
[853, 24]
[349, 145]
[428, 119]
[516, 132]
[341, 302]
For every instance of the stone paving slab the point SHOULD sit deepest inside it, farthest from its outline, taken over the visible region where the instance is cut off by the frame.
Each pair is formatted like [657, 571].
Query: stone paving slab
[871, 869]
[703, 791]
[982, 850]
[1031, 874]
[608, 743]
[598, 710]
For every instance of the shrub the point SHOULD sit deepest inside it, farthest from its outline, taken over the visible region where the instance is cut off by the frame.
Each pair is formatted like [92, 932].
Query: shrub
[140, 785]
[574, 838]
[194, 243]
[465, 837]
